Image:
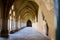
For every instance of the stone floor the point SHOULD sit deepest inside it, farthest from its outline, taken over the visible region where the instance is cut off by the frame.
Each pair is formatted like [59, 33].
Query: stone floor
[27, 33]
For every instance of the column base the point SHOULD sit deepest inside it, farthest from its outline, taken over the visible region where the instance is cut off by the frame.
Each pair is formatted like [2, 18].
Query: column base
[4, 33]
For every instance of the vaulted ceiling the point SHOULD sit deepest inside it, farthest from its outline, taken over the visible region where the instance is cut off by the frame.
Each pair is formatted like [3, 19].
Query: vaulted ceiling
[26, 9]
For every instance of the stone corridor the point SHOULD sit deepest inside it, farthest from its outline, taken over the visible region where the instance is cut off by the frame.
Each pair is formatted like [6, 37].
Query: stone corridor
[27, 33]
[27, 20]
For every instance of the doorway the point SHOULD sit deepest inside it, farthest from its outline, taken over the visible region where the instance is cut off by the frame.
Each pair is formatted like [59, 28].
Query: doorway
[29, 23]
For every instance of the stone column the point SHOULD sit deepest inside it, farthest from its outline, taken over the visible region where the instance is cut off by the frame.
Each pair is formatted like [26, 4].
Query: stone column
[4, 31]
[19, 22]
[5, 11]
[16, 22]
[12, 21]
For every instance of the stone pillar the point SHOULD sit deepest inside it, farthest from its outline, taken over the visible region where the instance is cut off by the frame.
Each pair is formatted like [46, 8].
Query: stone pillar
[19, 22]
[12, 21]
[16, 22]
[5, 12]
[4, 31]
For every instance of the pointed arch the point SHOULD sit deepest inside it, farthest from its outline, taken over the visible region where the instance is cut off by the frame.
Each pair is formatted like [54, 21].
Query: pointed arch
[29, 23]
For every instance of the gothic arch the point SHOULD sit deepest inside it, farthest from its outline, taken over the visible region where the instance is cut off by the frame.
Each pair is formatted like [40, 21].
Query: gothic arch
[29, 23]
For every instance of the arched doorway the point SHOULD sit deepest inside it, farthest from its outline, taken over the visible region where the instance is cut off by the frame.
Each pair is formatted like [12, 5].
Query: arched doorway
[29, 23]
